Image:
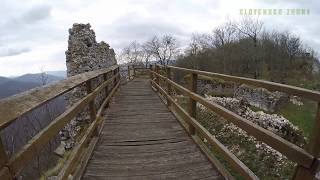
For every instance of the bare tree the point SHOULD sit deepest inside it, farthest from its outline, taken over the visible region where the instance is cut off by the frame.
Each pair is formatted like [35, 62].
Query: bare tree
[43, 77]
[251, 28]
[132, 53]
[198, 43]
[163, 49]
[223, 36]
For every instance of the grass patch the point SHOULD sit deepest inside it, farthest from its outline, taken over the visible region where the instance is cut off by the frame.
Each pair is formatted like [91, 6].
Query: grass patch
[262, 163]
[301, 116]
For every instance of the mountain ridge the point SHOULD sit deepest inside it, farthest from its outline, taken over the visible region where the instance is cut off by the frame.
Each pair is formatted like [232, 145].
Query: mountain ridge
[11, 86]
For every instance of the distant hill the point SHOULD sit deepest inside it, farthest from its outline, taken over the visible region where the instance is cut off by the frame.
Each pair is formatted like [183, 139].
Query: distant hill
[3, 80]
[36, 78]
[11, 86]
[58, 73]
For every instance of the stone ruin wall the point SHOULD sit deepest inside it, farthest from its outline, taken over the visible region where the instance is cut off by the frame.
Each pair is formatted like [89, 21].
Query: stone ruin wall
[257, 97]
[262, 98]
[84, 54]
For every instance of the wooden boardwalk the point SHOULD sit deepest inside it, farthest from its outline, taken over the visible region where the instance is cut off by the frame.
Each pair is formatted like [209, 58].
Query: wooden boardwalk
[141, 139]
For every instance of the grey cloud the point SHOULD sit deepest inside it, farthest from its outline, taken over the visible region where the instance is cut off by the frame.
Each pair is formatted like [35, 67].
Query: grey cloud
[13, 51]
[30, 16]
[139, 28]
[37, 13]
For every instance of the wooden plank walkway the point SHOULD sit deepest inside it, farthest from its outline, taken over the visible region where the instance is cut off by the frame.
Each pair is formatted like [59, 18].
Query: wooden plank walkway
[141, 139]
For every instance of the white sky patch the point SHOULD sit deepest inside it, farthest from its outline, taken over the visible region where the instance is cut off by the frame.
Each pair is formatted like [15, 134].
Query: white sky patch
[34, 34]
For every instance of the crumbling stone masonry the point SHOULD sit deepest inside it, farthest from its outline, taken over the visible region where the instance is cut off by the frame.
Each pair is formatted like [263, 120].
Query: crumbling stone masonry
[84, 54]
[262, 98]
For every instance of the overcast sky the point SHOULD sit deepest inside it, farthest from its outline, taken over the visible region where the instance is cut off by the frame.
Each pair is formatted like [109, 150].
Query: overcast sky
[34, 33]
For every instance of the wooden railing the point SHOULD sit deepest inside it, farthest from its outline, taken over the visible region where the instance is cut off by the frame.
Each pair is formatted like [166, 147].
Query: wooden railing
[134, 70]
[18, 105]
[307, 160]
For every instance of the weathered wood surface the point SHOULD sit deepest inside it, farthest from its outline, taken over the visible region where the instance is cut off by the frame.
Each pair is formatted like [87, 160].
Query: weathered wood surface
[141, 139]
[15, 106]
[272, 86]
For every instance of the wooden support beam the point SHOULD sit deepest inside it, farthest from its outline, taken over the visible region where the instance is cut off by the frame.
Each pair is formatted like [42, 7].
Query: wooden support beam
[115, 79]
[314, 149]
[118, 76]
[192, 106]
[314, 145]
[106, 90]
[169, 88]
[134, 71]
[3, 155]
[5, 174]
[92, 108]
[150, 70]
[129, 72]
[157, 71]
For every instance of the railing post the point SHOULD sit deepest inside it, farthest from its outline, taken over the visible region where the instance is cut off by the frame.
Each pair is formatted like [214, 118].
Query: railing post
[106, 90]
[192, 103]
[313, 148]
[157, 78]
[119, 76]
[169, 88]
[151, 74]
[314, 145]
[128, 72]
[4, 171]
[92, 109]
[3, 155]
[134, 71]
[115, 79]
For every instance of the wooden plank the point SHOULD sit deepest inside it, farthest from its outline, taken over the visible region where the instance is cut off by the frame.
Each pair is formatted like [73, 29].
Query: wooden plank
[292, 151]
[204, 148]
[71, 162]
[213, 159]
[150, 150]
[87, 154]
[17, 105]
[85, 159]
[228, 156]
[306, 93]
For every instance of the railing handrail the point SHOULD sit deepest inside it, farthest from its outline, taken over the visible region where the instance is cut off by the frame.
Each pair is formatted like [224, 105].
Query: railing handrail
[307, 161]
[17, 105]
[293, 90]
[11, 167]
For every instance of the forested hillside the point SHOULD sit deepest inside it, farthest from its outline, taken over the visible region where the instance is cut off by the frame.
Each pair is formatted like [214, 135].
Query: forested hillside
[247, 49]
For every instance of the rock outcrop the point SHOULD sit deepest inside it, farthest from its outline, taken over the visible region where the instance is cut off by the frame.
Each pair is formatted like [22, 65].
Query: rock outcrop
[84, 54]
[273, 122]
[261, 98]
[257, 97]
